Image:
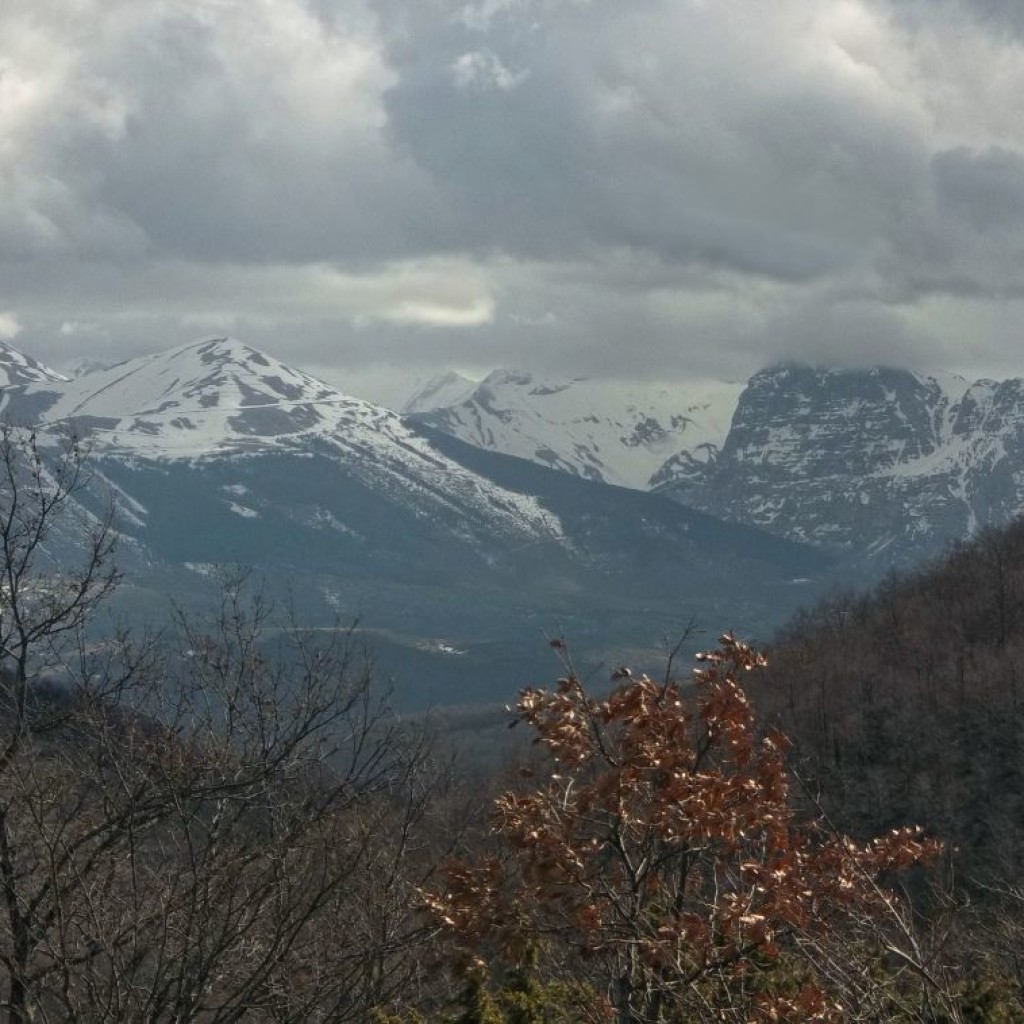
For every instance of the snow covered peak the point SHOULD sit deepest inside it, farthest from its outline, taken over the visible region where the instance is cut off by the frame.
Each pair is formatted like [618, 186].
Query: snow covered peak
[212, 396]
[18, 368]
[618, 432]
[448, 389]
[216, 373]
[219, 398]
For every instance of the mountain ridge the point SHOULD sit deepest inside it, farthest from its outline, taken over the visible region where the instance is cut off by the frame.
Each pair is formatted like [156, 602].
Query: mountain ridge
[599, 430]
[17, 368]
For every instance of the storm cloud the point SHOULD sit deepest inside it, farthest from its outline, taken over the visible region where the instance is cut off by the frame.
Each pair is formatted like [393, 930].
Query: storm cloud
[663, 188]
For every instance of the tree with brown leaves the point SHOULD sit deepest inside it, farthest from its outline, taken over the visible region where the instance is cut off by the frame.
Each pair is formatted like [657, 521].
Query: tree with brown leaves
[662, 860]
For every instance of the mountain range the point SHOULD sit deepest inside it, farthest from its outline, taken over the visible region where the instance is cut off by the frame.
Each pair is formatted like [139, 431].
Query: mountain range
[457, 561]
[494, 514]
[883, 465]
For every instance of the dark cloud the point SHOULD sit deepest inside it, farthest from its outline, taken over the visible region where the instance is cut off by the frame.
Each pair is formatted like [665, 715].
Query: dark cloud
[655, 126]
[997, 16]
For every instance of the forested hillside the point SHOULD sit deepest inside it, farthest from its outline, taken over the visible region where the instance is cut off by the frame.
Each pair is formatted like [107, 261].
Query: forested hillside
[907, 703]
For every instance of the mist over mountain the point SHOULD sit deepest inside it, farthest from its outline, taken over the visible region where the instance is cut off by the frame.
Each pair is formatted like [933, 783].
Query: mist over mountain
[440, 392]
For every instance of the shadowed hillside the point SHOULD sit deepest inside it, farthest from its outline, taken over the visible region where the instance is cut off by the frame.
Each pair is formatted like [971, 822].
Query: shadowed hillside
[906, 703]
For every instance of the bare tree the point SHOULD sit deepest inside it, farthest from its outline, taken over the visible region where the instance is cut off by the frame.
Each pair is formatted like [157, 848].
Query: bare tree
[42, 606]
[218, 828]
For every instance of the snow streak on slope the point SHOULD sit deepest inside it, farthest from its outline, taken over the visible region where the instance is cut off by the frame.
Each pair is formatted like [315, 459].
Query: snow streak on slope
[601, 430]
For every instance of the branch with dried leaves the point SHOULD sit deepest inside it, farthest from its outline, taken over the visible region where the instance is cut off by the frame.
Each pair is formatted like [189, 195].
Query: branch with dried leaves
[663, 859]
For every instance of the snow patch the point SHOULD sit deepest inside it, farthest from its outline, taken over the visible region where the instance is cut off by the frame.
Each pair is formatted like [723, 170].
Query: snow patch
[243, 511]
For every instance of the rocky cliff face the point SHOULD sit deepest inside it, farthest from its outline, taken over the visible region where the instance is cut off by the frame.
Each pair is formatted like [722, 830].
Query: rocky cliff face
[882, 462]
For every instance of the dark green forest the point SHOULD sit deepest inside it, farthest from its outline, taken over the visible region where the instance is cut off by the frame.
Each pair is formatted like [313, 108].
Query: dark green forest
[199, 824]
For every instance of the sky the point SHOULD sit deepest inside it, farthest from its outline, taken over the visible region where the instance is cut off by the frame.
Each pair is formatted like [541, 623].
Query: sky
[377, 190]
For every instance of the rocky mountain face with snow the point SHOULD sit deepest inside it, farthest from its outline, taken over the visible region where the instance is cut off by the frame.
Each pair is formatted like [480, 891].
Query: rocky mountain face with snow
[457, 560]
[17, 368]
[885, 465]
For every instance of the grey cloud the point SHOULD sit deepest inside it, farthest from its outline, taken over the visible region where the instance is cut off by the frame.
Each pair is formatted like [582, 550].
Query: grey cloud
[239, 183]
[235, 140]
[986, 188]
[967, 242]
[847, 334]
[629, 125]
[581, 321]
[1000, 16]
[646, 188]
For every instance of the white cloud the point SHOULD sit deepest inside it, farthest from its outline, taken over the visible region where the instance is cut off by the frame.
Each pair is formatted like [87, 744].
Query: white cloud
[10, 328]
[484, 70]
[479, 311]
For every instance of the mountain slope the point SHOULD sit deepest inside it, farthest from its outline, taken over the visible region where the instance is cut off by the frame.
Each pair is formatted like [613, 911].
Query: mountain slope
[458, 613]
[906, 701]
[599, 430]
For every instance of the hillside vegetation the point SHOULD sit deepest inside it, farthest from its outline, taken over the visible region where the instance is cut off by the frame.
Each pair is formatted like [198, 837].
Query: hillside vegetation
[202, 826]
[907, 703]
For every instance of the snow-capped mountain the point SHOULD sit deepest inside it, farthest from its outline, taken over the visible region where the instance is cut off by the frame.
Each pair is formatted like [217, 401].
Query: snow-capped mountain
[887, 464]
[222, 398]
[18, 368]
[599, 430]
[215, 396]
[882, 461]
